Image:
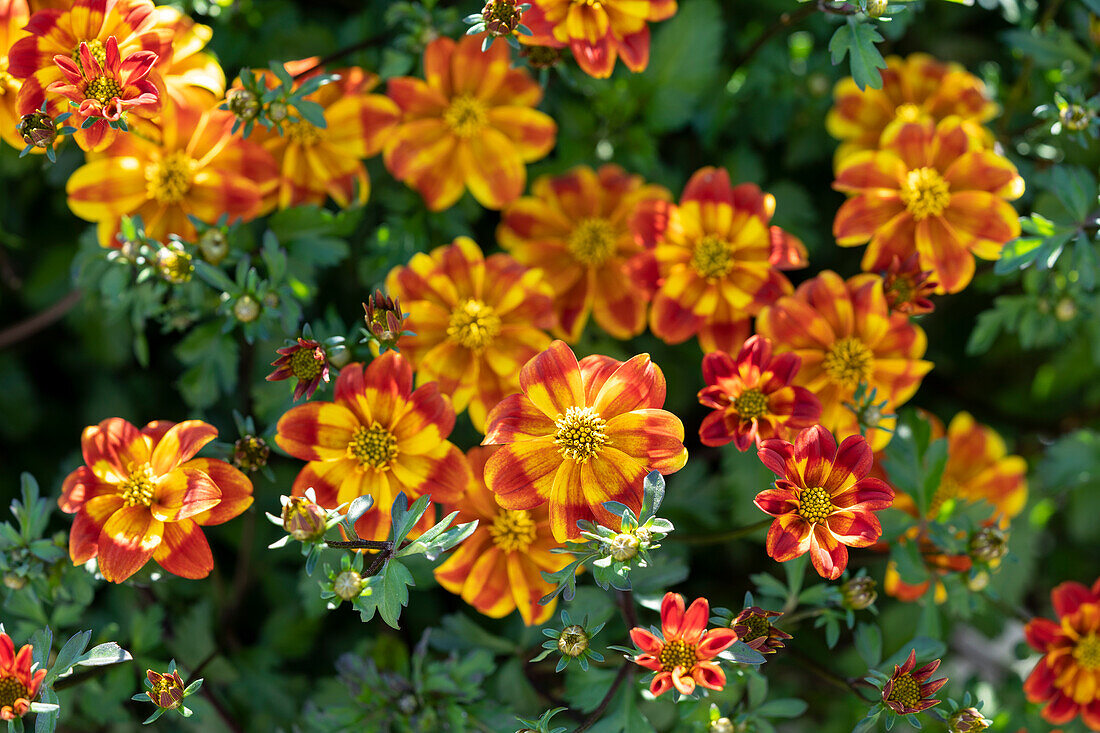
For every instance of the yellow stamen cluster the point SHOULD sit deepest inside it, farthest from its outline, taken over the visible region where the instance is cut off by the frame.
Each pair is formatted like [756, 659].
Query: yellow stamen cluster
[466, 115]
[908, 112]
[906, 691]
[580, 434]
[103, 89]
[712, 257]
[758, 626]
[925, 193]
[374, 447]
[169, 179]
[95, 46]
[1087, 652]
[139, 487]
[7, 81]
[305, 365]
[675, 654]
[815, 504]
[473, 325]
[11, 689]
[302, 132]
[592, 241]
[513, 530]
[849, 362]
[751, 403]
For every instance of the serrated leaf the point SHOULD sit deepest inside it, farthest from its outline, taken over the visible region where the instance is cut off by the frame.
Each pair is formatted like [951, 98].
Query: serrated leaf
[857, 41]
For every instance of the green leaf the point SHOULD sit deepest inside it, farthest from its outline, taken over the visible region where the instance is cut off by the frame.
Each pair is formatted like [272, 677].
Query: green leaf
[868, 639]
[653, 494]
[68, 655]
[857, 41]
[1085, 261]
[1075, 187]
[934, 461]
[784, 707]
[213, 276]
[104, 654]
[311, 112]
[988, 328]
[393, 592]
[910, 565]
[404, 517]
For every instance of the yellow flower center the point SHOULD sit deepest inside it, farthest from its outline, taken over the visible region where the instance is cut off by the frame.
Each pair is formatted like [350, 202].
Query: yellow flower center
[466, 115]
[139, 488]
[925, 193]
[513, 530]
[103, 89]
[473, 325]
[1087, 652]
[906, 691]
[815, 504]
[96, 47]
[580, 434]
[374, 447]
[169, 179]
[592, 241]
[7, 81]
[758, 626]
[908, 112]
[849, 362]
[677, 653]
[712, 257]
[305, 365]
[302, 132]
[11, 689]
[751, 403]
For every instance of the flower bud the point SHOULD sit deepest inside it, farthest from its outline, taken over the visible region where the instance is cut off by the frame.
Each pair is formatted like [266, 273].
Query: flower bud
[541, 57]
[876, 8]
[624, 547]
[174, 264]
[967, 720]
[38, 129]
[348, 585]
[1065, 310]
[277, 111]
[246, 309]
[303, 520]
[213, 246]
[722, 725]
[1075, 117]
[242, 103]
[271, 300]
[250, 453]
[501, 17]
[384, 319]
[573, 641]
[167, 689]
[644, 535]
[988, 544]
[15, 582]
[858, 593]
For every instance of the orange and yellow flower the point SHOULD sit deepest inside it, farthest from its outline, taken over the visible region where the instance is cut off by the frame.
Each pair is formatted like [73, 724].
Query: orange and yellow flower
[199, 169]
[143, 495]
[470, 125]
[316, 162]
[497, 568]
[682, 656]
[476, 321]
[846, 336]
[823, 501]
[192, 77]
[581, 434]
[18, 685]
[597, 33]
[717, 261]
[377, 438]
[933, 190]
[752, 398]
[1067, 678]
[13, 16]
[579, 228]
[917, 87]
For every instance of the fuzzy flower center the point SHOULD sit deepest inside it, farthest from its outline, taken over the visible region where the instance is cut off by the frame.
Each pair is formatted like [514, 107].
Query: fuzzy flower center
[592, 241]
[1087, 652]
[712, 257]
[169, 179]
[305, 365]
[513, 530]
[373, 447]
[103, 89]
[925, 193]
[580, 434]
[466, 115]
[758, 626]
[473, 325]
[139, 487]
[677, 653]
[751, 403]
[95, 46]
[302, 132]
[906, 691]
[849, 362]
[815, 504]
[11, 689]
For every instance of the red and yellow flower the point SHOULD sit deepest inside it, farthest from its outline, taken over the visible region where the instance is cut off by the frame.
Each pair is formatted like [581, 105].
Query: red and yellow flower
[497, 568]
[753, 626]
[845, 334]
[13, 16]
[579, 228]
[581, 434]
[305, 361]
[18, 685]
[597, 32]
[377, 438]
[199, 169]
[908, 287]
[682, 656]
[316, 162]
[1067, 678]
[476, 321]
[933, 190]
[908, 691]
[192, 77]
[717, 261]
[471, 124]
[143, 495]
[823, 500]
[917, 87]
[752, 398]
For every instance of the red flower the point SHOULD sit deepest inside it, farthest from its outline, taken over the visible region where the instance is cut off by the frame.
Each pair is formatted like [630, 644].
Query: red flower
[907, 286]
[753, 398]
[18, 685]
[822, 500]
[908, 692]
[305, 361]
[682, 658]
[754, 627]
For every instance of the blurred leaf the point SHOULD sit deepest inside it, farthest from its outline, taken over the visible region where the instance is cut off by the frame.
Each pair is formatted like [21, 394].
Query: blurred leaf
[857, 41]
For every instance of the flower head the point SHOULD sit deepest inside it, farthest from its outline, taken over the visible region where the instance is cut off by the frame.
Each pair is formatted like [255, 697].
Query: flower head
[142, 495]
[580, 229]
[581, 434]
[471, 124]
[305, 361]
[166, 690]
[498, 568]
[384, 319]
[476, 320]
[754, 627]
[967, 720]
[13, 17]
[752, 398]
[1065, 678]
[378, 437]
[908, 691]
[18, 684]
[932, 190]
[823, 499]
[907, 286]
[682, 655]
[250, 453]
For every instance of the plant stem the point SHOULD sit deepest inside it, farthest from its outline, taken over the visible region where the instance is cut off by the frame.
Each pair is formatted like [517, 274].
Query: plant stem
[721, 537]
[789, 19]
[594, 717]
[340, 53]
[39, 321]
[360, 544]
[1006, 607]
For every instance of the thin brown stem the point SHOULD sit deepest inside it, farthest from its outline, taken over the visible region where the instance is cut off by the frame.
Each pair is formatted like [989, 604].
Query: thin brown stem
[37, 322]
[624, 671]
[786, 20]
[340, 53]
[718, 538]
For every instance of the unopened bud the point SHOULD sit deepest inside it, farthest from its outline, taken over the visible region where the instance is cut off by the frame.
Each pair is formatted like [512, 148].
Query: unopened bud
[213, 246]
[271, 300]
[1065, 310]
[243, 104]
[246, 309]
[303, 520]
[501, 17]
[384, 319]
[277, 111]
[967, 720]
[573, 641]
[988, 544]
[624, 547]
[1075, 117]
[876, 8]
[541, 57]
[858, 593]
[167, 689]
[250, 453]
[38, 129]
[722, 725]
[644, 535]
[174, 264]
[348, 585]
[15, 582]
